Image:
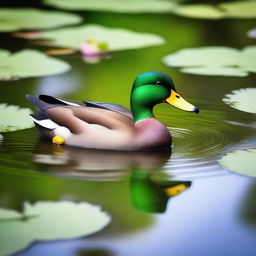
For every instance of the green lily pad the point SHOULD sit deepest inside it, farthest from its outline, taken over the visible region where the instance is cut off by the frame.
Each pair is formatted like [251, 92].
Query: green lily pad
[29, 63]
[50, 221]
[117, 39]
[127, 6]
[239, 9]
[218, 60]
[9, 214]
[199, 11]
[13, 118]
[240, 161]
[243, 99]
[16, 19]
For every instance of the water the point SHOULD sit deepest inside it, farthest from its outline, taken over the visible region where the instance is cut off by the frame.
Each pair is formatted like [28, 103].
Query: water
[215, 215]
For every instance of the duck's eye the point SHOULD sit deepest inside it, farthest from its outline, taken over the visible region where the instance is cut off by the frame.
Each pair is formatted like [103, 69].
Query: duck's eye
[159, 83]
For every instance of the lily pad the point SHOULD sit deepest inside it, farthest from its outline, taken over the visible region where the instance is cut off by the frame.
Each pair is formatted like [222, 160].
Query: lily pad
[238, 9]
[29, 63]
[13, 118]
[199, 11]
[240, 161]
[243, 99]
[117, 39]
[127, 6]
[218, 60]
[9, 214]
[46, 222]
[16, 19]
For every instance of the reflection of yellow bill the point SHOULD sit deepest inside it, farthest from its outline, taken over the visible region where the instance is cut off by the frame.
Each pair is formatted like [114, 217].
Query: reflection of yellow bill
[177, 101]
[175, 190]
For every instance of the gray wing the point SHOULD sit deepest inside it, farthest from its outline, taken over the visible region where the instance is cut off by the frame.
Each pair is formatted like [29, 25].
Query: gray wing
[44, 102]
[109, 106]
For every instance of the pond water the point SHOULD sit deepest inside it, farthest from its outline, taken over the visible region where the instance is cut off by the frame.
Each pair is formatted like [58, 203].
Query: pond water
[215, 215]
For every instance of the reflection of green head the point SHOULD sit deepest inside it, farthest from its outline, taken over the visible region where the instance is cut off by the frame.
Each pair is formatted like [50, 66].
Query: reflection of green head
[149, 89]
[150, 196]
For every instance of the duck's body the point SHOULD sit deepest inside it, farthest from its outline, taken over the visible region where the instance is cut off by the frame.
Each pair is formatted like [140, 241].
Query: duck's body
[146, 135]
[106, 126]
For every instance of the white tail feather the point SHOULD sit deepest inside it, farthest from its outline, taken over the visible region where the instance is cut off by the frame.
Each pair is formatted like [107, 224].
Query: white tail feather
[47, 123]
[69, 103]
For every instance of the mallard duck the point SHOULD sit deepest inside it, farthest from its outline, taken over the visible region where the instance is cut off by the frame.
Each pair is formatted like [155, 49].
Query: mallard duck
[99, 125]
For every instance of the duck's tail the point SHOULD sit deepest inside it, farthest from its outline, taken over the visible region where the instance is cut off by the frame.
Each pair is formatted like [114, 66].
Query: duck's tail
[44, 102]
[42, 122]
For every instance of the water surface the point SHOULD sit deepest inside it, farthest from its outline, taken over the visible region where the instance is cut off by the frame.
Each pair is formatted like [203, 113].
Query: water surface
[215, 215]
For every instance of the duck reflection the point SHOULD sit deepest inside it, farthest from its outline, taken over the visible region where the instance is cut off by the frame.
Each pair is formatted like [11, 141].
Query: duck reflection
[147, 195]
[96, 164]
[152, 196]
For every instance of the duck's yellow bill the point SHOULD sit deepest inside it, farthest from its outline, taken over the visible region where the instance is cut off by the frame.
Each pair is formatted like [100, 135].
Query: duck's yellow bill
[175, 190]
[177, 101]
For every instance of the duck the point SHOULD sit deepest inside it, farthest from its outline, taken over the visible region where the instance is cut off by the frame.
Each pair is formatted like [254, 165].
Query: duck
[107, 126]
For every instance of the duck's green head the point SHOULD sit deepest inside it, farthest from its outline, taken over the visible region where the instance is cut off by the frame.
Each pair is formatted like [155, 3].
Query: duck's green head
[151, 88]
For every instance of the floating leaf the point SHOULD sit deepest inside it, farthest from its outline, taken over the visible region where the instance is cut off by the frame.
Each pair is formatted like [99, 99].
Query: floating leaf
[200, 11]
[7, 214]
[243, 99]
[240, 9]
[13, 118]
[127, 6]
[117, 39]
[224, 61]
[50, 221]
[240, 161]
[29, 63]
[16, 19]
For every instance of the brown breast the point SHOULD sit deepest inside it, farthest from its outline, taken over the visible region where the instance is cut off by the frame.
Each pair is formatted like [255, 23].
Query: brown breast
[152, 134]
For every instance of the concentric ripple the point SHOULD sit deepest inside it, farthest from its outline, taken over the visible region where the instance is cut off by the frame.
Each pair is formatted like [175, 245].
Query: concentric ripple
[203, 140]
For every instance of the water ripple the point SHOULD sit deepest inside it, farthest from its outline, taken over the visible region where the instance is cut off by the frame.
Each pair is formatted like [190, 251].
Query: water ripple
[202, 141]
[199, 140]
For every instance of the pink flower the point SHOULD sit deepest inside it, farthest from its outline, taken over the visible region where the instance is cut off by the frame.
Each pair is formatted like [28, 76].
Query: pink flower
[93, 47]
